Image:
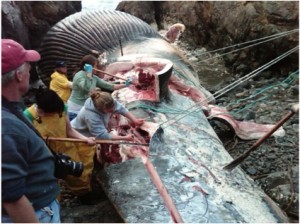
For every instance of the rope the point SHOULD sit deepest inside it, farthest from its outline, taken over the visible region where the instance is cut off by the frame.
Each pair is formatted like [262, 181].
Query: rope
[275, 36]
[159, 110]
[284, 84]
[255, 72]
[230, 87]
[268, 38]
[291, 77]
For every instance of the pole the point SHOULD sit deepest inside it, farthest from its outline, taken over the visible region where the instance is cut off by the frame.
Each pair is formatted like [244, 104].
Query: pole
[242, 157]
[98, 70]
[121, 47]
[115, 142]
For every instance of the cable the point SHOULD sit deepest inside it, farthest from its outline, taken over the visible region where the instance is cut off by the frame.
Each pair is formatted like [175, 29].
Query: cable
[269, 38]
[285, 84]
[231, 86]
[275, 36]
[255, 72]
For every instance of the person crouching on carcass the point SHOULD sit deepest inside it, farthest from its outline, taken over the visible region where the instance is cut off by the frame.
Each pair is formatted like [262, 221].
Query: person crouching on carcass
[93, 119]
[49, 116]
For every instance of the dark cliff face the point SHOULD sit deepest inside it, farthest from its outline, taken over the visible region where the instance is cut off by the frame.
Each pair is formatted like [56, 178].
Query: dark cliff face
[28, 21]
[219, 24]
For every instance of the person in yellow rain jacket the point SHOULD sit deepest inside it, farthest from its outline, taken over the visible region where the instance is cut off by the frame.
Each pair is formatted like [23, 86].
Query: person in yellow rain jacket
[59, 81]
[49, 116]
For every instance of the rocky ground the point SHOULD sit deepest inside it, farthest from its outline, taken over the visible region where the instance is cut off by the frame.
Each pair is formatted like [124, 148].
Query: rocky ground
[274, 164]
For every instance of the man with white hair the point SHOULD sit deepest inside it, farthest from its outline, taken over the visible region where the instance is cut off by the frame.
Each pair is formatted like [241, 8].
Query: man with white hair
[29, 188]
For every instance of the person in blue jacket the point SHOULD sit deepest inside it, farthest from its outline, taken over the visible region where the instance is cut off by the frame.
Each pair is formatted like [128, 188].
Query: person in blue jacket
[29, 187]
[93, 118]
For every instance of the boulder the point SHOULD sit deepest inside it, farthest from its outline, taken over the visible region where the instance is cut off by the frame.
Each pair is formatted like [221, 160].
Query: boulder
[219, 24]
[28, 22]
[283, 188]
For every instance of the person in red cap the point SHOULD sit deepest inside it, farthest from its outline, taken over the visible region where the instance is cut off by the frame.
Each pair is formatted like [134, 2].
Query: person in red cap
[29, 187]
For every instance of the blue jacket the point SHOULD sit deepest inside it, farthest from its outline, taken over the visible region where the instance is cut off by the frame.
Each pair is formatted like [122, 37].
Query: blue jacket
[27, 163]
[91, 122]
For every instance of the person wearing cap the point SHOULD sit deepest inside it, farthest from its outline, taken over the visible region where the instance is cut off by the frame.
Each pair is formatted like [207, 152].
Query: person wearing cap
[59, 81]
[29, 187]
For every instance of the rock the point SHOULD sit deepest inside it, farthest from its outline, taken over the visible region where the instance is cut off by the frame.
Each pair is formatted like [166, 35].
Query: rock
[250, 115]
[271, 156]
[28, 21]
[251, 170]
[242, 68]
[295, 90]
[219, 24]
[241, 94]
[146, 10]
[283, 190]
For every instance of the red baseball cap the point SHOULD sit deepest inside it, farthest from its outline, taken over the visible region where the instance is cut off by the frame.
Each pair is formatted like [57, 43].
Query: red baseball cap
[14, 55]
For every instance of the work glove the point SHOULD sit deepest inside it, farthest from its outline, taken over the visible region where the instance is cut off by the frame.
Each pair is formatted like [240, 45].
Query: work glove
[88, 68]
[128, 82]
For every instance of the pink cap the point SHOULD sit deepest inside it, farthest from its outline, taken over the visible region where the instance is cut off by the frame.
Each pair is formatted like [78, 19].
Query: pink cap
[14, 55]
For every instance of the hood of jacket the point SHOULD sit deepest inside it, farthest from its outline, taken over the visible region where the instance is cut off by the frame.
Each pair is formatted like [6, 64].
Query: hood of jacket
[89, 105]
[56, 74]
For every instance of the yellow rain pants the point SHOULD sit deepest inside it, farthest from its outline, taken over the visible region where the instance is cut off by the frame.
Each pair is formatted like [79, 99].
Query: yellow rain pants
[52, 125]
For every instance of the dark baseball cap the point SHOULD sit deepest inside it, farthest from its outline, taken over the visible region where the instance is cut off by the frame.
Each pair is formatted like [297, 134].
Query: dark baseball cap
[60, 64]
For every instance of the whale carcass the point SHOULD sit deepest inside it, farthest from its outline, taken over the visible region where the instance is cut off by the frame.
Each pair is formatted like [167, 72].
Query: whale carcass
[179, 178]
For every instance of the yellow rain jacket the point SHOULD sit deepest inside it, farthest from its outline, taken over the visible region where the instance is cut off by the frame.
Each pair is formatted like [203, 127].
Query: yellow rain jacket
[61, 85]
[52, 125]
